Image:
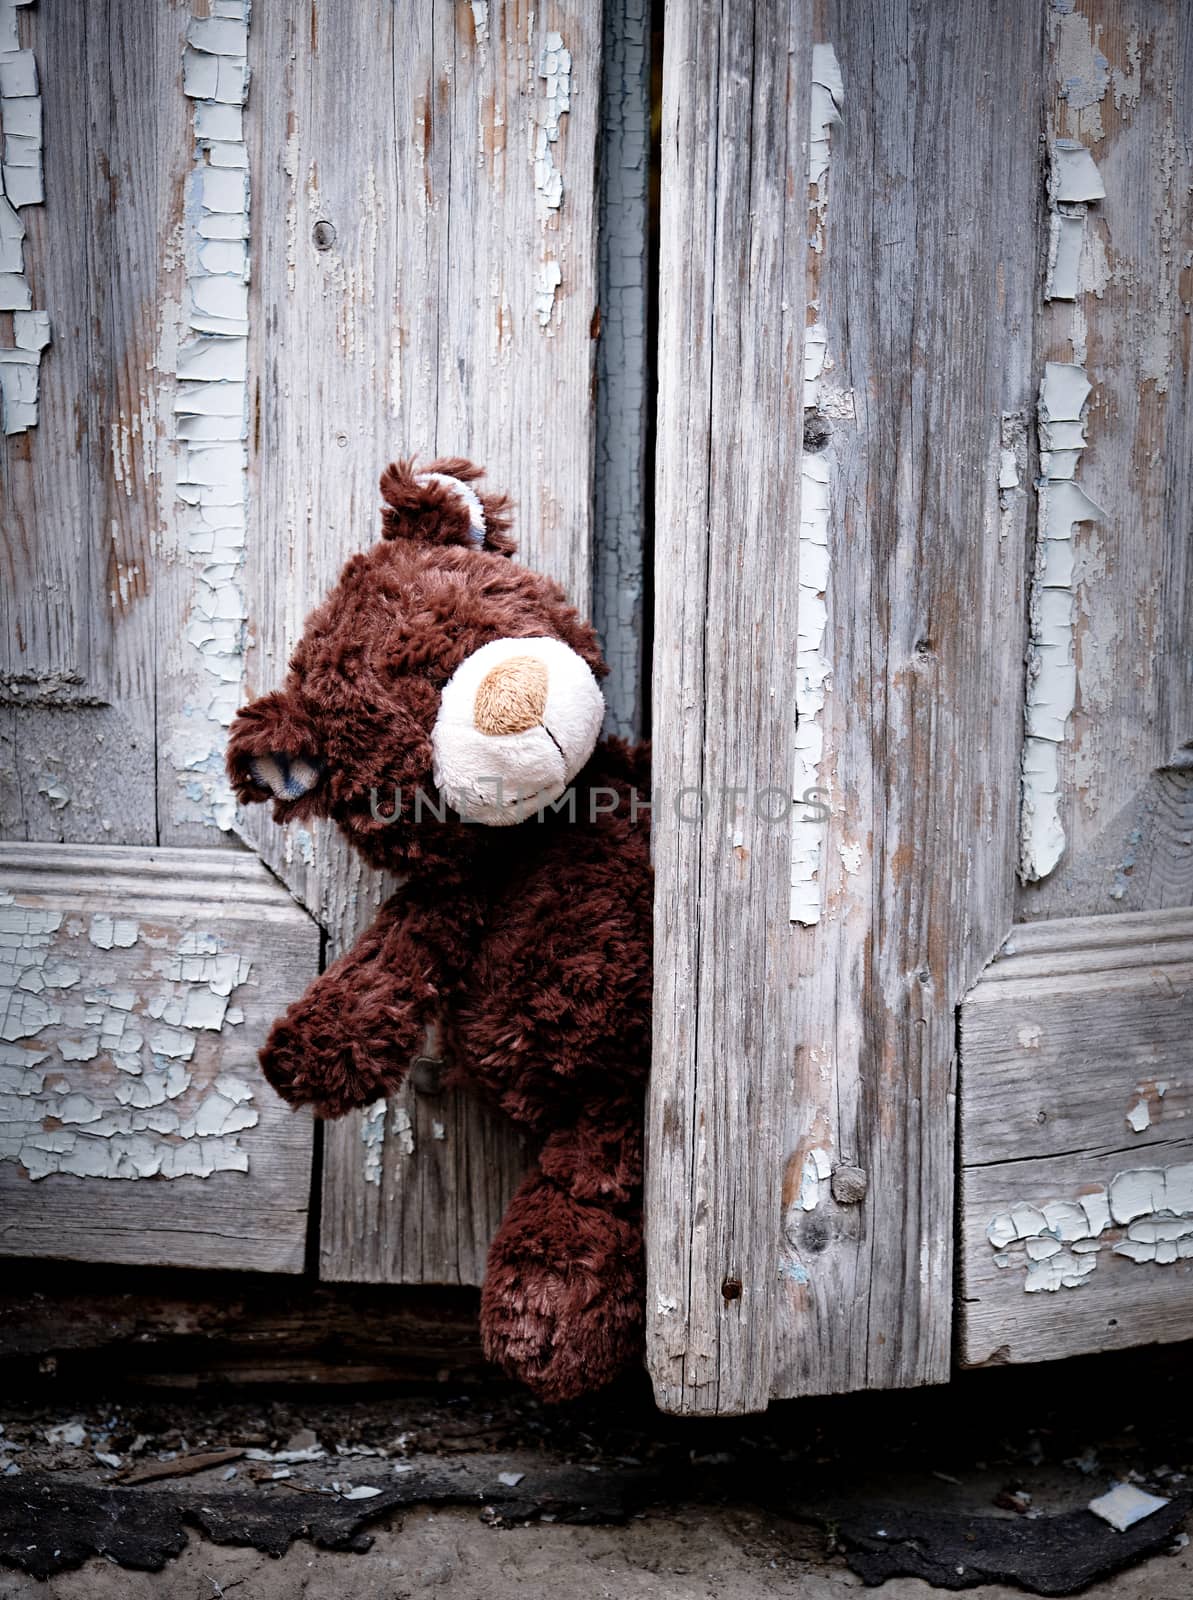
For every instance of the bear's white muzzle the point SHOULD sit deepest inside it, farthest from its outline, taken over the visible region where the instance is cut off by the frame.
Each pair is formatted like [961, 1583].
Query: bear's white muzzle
[517, 720]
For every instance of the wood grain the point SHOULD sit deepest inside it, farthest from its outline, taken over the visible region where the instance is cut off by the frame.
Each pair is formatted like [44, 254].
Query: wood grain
[1126, 794]
[420, 322]
[125, 934]
[1074, 1049]
[79, 493]
[178, 1329]
[731, 295]
[925, 286]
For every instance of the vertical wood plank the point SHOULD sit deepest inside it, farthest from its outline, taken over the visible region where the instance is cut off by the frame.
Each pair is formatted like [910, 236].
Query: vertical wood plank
[1120, 82]
[623, 502]
[731, 295]
[430, 289]
[924, 284]
[80, 491]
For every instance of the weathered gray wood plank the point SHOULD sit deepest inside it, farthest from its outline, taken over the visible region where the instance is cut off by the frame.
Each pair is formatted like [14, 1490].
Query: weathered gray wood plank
[623, 502]
[134, 1123]
[444, 304]
[1120, 82]
[1120, 1303]
[924, 282]
[79, 492]
[731, 295]
[1075, 1095]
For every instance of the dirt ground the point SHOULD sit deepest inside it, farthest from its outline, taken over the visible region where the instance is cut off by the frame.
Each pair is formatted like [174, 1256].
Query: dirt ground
[692, 1553]
[476, 1492]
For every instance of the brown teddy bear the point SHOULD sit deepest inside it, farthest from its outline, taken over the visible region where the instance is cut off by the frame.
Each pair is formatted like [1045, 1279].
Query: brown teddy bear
[443, 709]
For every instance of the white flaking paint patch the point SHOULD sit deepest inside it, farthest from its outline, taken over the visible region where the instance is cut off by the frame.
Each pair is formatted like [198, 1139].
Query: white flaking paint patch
[548, 279]
[403, 1131]
[555, 68]
[211, 408]
[817, 1169]
[21, 184]
[94, 1082]
[1030, 1035]
[1139, 1117]
[851, 855]
[480, 20]
[828, 96]
[1144, 1215]
[372, 1136]
[813, 666]
[1051, 691]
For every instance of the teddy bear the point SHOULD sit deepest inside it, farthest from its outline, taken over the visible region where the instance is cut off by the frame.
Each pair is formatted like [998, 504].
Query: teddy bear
[443, 708]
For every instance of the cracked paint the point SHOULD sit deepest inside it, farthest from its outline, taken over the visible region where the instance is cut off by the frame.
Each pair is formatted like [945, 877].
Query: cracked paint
[555, 68]
[372, 1137]
[211, 406]
[813, 665]
[1051, 691]
[97, 1076]
[21, 184]
[1144, 1214]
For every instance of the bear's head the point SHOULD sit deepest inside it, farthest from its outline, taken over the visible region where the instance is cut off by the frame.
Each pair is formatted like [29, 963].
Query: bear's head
[440, 685]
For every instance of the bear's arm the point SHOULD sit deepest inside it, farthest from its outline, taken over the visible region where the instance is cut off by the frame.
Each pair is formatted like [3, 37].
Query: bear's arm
[352, 1035]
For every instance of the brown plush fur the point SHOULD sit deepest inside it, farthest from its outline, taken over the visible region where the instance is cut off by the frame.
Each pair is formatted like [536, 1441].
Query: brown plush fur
[531, 945]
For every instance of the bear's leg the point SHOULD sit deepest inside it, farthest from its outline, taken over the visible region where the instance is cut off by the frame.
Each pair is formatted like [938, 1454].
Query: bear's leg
[562, 1306]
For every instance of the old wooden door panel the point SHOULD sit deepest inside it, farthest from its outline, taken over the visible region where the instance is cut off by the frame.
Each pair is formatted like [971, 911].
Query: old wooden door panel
[123, 511]
[919, 378]
[736, 83]
[431, 288]
[1077, 1148]
[1120, 83]
[134, 1124]
[82, 497]
[1074, 1081]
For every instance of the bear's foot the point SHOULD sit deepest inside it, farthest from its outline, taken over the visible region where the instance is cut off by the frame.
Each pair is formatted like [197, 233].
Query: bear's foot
[562, 1306]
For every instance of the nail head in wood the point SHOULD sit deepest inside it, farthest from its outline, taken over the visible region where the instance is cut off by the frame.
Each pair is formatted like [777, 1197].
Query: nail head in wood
[849, 1185]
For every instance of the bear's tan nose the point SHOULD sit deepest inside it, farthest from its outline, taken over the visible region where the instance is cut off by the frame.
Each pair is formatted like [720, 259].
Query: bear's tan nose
[512, 696]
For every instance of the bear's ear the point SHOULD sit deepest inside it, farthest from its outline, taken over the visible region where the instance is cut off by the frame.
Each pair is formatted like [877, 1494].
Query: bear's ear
[272, 751]
[438, 504]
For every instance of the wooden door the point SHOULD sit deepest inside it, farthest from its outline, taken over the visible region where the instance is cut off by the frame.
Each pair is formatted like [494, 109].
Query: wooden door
[1076, 1148]
[955, 604]
[273, 253]
[143, 953]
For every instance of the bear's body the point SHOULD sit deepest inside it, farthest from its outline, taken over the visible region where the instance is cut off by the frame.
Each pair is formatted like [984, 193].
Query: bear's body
[529, 942]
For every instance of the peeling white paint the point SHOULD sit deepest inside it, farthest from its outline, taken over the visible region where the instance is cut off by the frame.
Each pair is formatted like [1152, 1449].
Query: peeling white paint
[1139, 1117]
[828, 96]
[211, 407]
[480, 20]
[555, 68]
[817, 1169]
[372, 1136]
[403, 1131]
[94, 1074]
[813, 665]
[1051, 691]
[547, 281]
[1144, 1214]
[21, 184]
